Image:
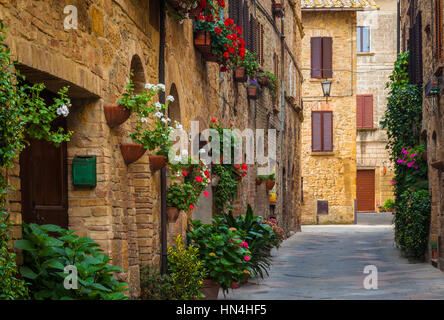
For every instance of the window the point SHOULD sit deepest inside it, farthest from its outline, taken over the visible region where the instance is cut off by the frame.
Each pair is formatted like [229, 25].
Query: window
[321, 57]
[364, 111]
[322, 131]
[363, 39]
[415, 48]
[238, 11]
[439, 50]
[257, 39]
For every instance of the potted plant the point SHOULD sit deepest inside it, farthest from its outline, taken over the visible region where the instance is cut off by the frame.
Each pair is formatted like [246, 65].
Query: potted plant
[380, 207]
[223, 252]
[277, 9]
[180, 197]
[270, 182]
[253, 89]
[153, 128]
[249, 66]
[219, 40]
[116, 115]
[434, 250]
[389, 205]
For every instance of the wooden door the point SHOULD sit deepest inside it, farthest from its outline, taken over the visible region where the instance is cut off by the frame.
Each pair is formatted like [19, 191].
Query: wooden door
[365, 190]
[43, 175]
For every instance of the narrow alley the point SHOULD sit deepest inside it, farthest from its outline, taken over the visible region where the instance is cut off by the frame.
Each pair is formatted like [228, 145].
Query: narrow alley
[327, 262]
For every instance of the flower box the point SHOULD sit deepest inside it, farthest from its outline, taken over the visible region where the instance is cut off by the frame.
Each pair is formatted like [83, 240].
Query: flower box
[116, 115]
[172, 214]
[270, 184]
[252, 92]
[202, 41]
[278, 11]
[157, 162]
[132, 152]
[240, 74]
[210, 289]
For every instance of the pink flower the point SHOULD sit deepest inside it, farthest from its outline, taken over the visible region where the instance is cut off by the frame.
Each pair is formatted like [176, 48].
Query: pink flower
[272, 220]
[206, 194]
[184, 173]
[199, 179]
[191, 207]
[416, 167]
[247, 258]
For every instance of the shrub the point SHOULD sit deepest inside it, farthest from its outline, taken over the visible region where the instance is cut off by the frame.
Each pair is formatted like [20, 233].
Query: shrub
[153, 285]
[389, 204]
[186, 272]
[45, 259]
[223, 253]
[412, 219]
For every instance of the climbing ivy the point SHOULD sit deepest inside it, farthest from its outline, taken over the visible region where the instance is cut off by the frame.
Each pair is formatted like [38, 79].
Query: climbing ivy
[402, 121]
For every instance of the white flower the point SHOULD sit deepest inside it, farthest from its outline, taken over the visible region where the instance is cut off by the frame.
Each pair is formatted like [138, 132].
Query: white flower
[187, 15]
[143, 120]
[160, 86]
[177, 158]
[179, 126]
[164, 120]
[63, 110]
[178, 173]
[202, 151]
[170, 98]
[184, 152]
[158, 105]
[149, 86]
[181, 21]
[159, 114]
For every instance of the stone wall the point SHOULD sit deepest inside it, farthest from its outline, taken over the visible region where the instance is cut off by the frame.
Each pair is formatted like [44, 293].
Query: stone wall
[373, 71]
[330, 176]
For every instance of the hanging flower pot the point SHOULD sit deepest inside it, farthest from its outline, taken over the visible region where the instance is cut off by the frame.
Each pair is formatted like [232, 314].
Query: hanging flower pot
[202, 41]
[278, 11]
[116, 115]
[210, 289]
[157, 162]
[172, 214]
[259, 181]
[270, 184]
[240, 75]
[252, 92]
[132, 152]
[272, 197]
[263, 80]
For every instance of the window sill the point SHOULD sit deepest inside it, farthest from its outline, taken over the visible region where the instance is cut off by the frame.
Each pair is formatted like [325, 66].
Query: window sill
[366, 129]
[365, 54]
[322, 153]
[320, 80]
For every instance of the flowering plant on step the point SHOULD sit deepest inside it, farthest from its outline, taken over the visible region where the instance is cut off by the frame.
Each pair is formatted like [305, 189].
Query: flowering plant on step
[153, 128]
[223, 252]
[226, 41]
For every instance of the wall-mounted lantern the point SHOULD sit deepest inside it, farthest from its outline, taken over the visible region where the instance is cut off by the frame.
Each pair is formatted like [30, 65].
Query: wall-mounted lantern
[326, 89]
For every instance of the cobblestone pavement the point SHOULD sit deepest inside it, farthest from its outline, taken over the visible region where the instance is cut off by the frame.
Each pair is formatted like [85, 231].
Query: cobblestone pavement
[327, 262]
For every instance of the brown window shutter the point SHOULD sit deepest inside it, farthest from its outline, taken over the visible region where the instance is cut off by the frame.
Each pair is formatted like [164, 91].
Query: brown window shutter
[327, 57]
[327, 131]
[359, 111]
[262, 45]
[316, 57]
[316, 121]
[245, 23]
[367, 121]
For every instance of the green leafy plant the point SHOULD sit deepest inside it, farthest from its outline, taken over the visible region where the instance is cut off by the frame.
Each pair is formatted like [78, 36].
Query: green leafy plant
[153, 285]
[186, 271]
[271, 83]
[250, 63]
[46, 256]
[433, 245]
[223, 253]
[412, 220]
[182, 196]
[389, 204]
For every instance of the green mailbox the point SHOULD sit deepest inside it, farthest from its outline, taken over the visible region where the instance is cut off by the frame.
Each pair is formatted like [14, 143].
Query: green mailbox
[84, 172]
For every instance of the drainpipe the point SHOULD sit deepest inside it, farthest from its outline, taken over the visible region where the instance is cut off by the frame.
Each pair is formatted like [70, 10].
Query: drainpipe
[163, 218]
[398, 28]
[282, 102]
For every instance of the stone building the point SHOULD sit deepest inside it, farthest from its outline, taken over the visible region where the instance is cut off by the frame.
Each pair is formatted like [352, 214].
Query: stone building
[421, 32]
[376, 50]
[329, 52]
[123, 211]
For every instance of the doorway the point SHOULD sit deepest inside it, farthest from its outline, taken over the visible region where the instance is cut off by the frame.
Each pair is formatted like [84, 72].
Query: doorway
[365, 190]
[43, 175]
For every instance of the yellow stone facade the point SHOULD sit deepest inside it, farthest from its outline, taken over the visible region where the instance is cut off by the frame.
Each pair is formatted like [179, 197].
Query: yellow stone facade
[330, 176]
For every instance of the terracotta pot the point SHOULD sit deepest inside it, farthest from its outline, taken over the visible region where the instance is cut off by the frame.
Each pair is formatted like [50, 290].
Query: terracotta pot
[277, 10]
[259, 181]
[116, 115]
[132, 152]
[240, 74]
[263, 80]
[202, 41]
[252, 92]
[270, 184]
[157, 162]
[172, 214]
[210, 289]
[435, 254]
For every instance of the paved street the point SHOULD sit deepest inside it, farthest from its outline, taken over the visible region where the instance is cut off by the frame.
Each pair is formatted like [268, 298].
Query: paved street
[327, 262]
